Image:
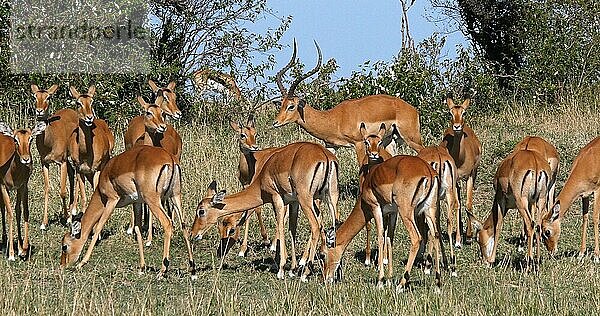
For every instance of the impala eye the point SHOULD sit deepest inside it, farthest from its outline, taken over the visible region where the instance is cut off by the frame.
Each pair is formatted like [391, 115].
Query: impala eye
[243, 136]
[65, 248]
[291, 107]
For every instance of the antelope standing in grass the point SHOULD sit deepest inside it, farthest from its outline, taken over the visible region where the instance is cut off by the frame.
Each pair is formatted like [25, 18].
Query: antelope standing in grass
[53, 147]
[406, 186]
[465, 148]
[339, 126]
[15, 169]
[144, 174]
[521, 181]
[296, 175]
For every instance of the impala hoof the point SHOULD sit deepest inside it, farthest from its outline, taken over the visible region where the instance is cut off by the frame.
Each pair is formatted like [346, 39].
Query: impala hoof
[458, 245]
[380, 285]
[241, 254]
[11, 258]
[129, 231]
[427, 271]
[291, 274]
[454, 274]
[520, 249]
[43, 227]
[367, 262]
[303, 279]
[194, 277]
[596, 259]
[302, 262]
[148, 243]
[280, 275]
[273, 248]
[385, 261]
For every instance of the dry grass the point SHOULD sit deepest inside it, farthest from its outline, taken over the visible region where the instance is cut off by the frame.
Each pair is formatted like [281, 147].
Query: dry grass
[109, 284]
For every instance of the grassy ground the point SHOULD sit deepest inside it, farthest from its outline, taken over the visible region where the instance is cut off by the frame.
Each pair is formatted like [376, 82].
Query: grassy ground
[110, 284]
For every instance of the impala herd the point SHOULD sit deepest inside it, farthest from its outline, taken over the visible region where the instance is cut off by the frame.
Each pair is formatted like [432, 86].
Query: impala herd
[299, 176]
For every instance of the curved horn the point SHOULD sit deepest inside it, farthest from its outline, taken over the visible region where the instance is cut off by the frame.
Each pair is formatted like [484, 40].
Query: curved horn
[308, 74]
[284, 69]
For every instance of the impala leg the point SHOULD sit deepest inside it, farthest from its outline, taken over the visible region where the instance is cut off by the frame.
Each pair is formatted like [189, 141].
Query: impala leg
[9, 213]
[459, 223]
[46, 175]
[470, 184]
[595, 221]
[368, 244]
[415, 241]
[132, 222]
[261, 224]
[18, 211]
[279, 206]
[378, 217]
[585, 208]
[3, 210]
[310, 210]
[186, 234]
[137, 222]
[390, 266]
[435, 239]
[82, 193]
[25, 201]
[451, 212]
[244, 246]
[150, 228]
[360, 149]
[63, 190]
[156, 209]
[108, 210]
[293, 224]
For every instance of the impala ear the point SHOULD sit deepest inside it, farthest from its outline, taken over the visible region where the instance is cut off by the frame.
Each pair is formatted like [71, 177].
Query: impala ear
[142, 102]
[153, 86]
[363, 130]
[159, 100]
[235, 125]
[39, 128]
[34, 88]
[449, 101]
[52, 89]
[76, 226]
[382, 130]
[171, 86]
[74, 92]
[6, 130]
[212, 189]
[250, 122]
[91, 91]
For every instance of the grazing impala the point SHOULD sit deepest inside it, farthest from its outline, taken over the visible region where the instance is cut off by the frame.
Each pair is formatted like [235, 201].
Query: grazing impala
[251, 161]
[136, 128]
[159, 134]
[582, 182]
[405, 185]
[465, 148]
[521, 182]
[142, 174]
[440, 160]
[15, 169]
[53, 146]
[339, 127]
[92, 144]
[297, 174]
[225, 82]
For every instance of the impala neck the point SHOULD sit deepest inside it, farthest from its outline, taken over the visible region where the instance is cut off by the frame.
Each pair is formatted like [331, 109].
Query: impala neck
[353, 224]
[317, 123]
[245, 200]
[456, 141]
[92, 215]
[567, 196]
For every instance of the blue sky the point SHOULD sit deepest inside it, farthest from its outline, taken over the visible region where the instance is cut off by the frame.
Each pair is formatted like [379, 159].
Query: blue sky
[353, 31]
